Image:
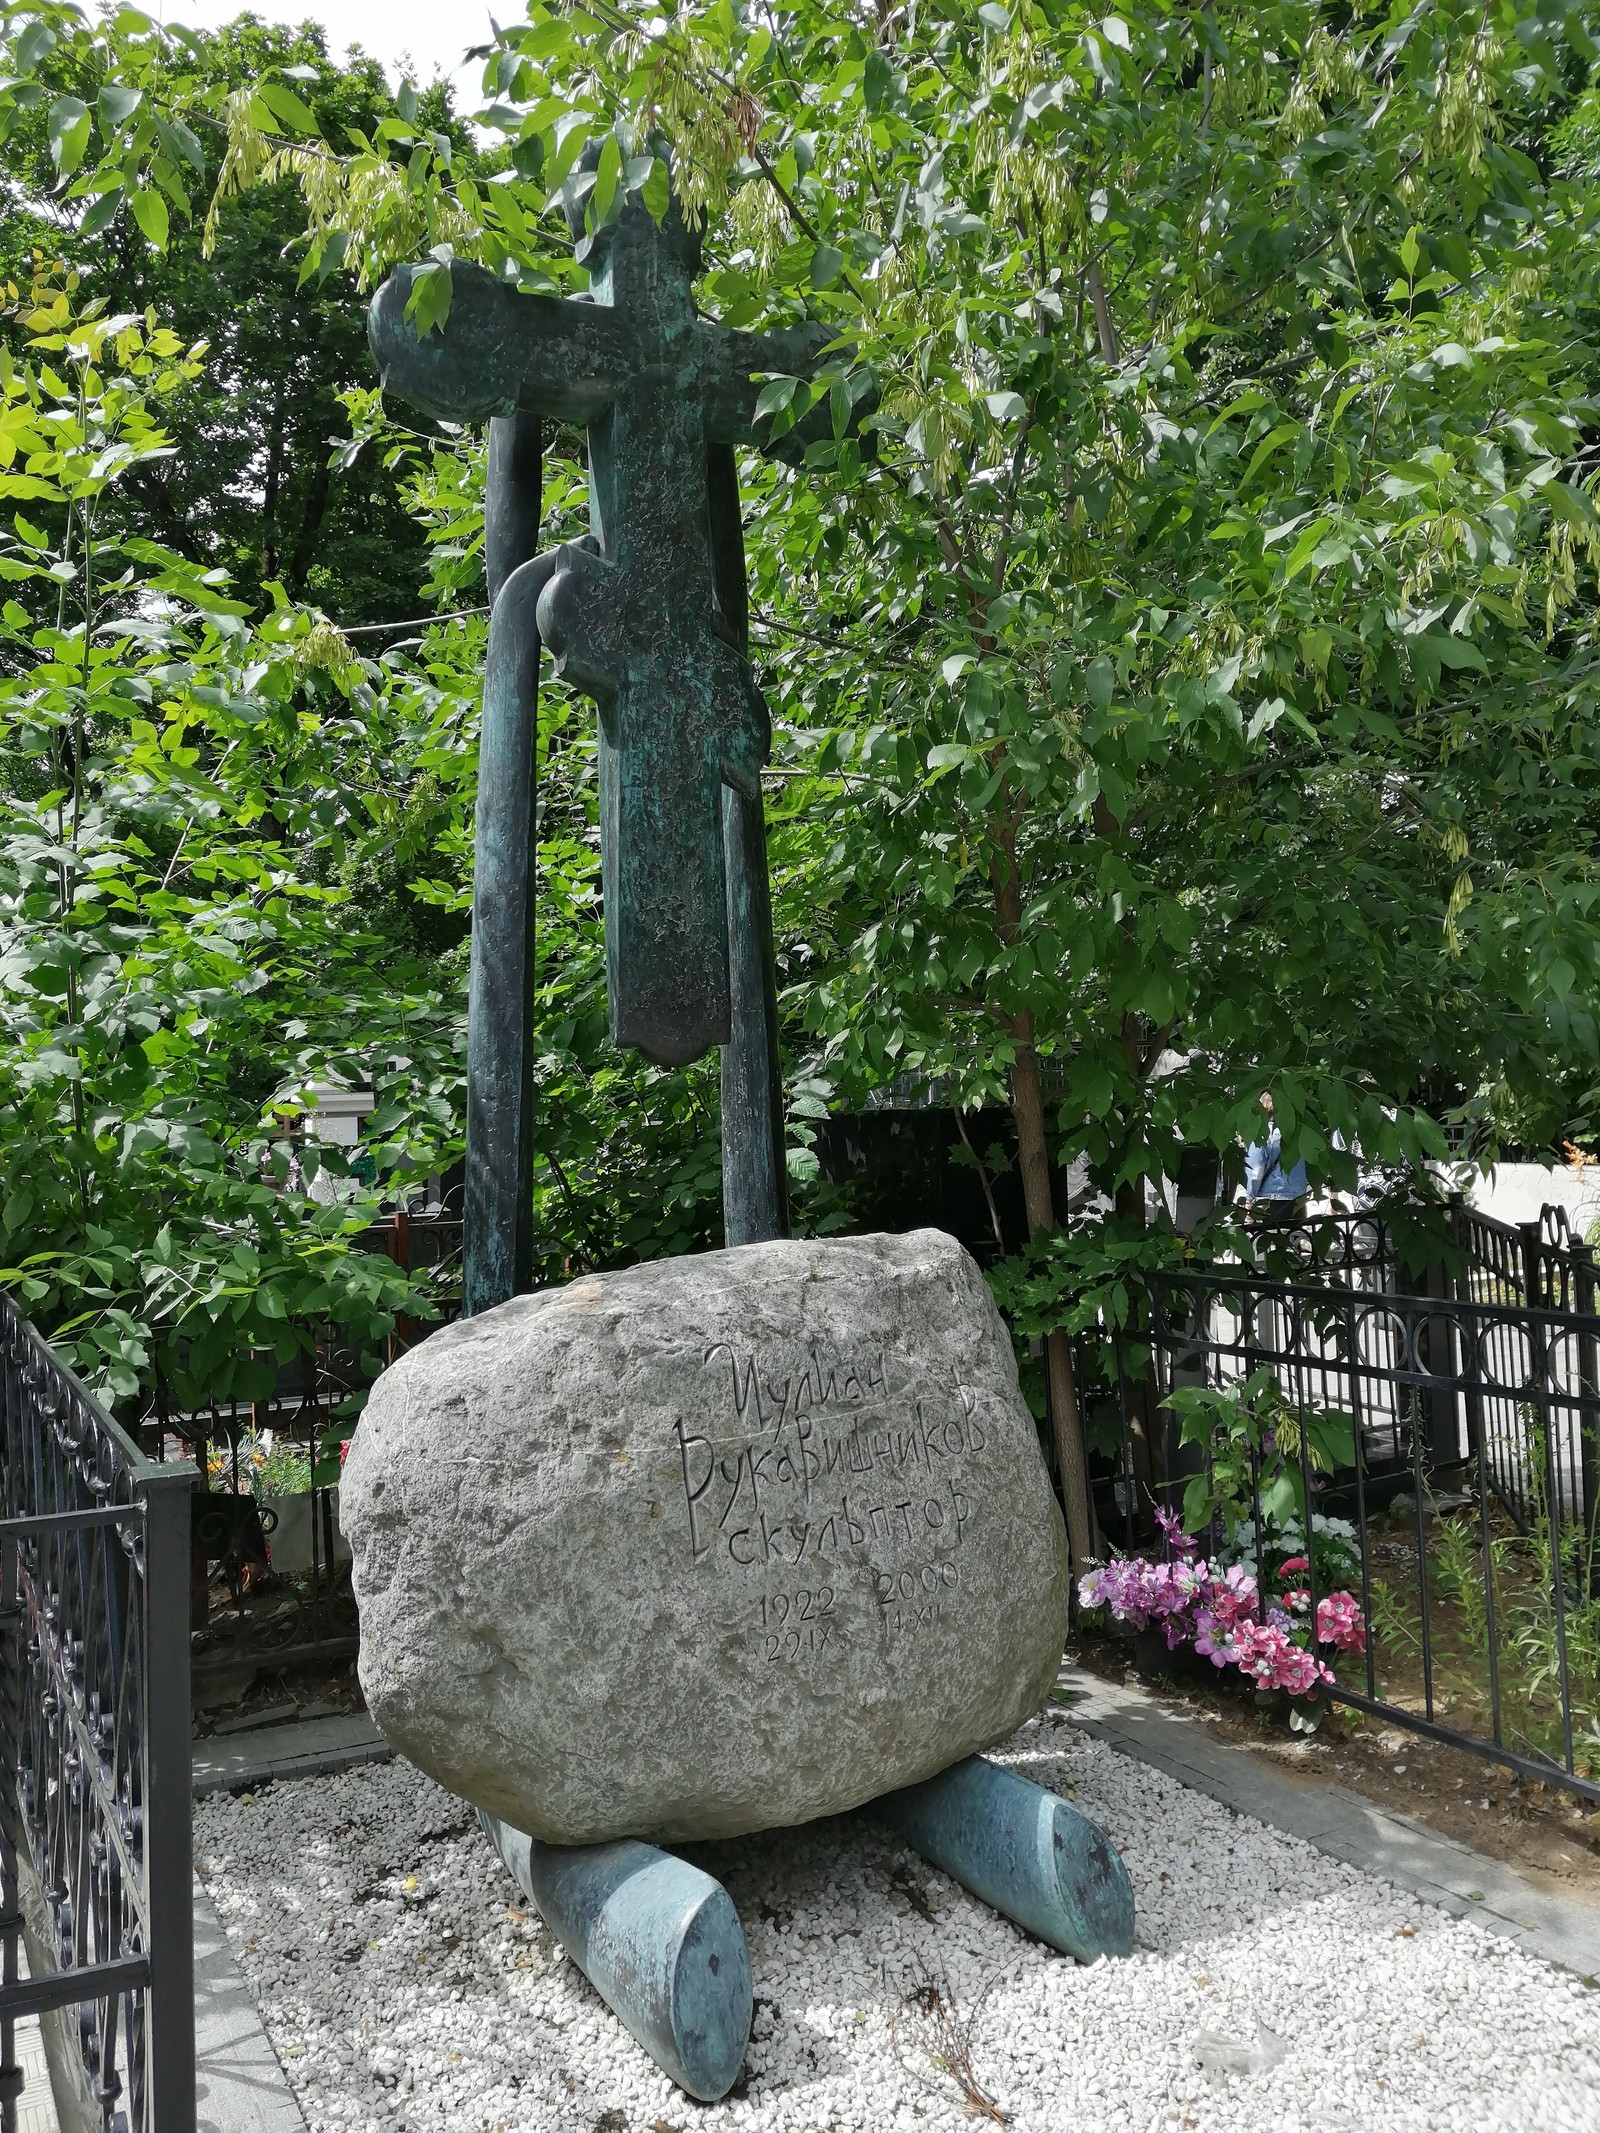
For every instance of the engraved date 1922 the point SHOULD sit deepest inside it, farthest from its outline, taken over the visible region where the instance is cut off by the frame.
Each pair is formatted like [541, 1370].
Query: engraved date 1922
[804, 1606]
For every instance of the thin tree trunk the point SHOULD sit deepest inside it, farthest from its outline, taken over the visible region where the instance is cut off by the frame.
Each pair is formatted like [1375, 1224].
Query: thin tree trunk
[1104, 326]
[1033, 1157]
[316, 509]
[1140, 1394]
[269, 495]
[1038, 1199]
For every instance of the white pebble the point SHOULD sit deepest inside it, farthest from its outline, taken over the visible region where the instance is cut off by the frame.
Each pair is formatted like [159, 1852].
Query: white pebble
[405, 1981]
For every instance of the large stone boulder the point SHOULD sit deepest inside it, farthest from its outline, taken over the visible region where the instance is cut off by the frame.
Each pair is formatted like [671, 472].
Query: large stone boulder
[710, 1545]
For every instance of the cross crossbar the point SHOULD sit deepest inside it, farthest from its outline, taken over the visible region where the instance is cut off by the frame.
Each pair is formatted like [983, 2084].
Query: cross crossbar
[503, 352]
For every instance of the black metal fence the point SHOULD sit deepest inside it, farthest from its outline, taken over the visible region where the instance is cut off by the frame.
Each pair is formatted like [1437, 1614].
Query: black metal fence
[1465, 1502]
[95, 1863]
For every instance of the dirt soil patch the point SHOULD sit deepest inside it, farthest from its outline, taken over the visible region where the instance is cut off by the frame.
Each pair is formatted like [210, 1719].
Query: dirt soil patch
[1534, 1827]
[268, 1655]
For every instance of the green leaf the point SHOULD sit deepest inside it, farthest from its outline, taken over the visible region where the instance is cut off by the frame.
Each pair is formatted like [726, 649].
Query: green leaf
[774, 396]
[1283, 1497]
[282, 102]
[1457, 652]
[68, 128]
[117, 106]
[101, 213]
[428, 305]
[1196, 1505]
[656, 192]
[1283, 434]
[1330, 1439]
[826, 263]
[188, 141]
[1304, 548]
[1570, 505]
[606, 182]
[37, 42]
[150, 212]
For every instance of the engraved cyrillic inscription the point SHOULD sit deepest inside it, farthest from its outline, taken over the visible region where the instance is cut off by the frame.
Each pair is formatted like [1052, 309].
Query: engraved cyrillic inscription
[825, 1459]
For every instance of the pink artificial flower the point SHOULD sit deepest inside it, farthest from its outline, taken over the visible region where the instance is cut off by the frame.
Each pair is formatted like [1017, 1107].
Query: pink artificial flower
[1173, 1533]
[1267, 1652]
[1212, 1639]
[1340, 1623]
[1234, 1597]
[1295, 1562]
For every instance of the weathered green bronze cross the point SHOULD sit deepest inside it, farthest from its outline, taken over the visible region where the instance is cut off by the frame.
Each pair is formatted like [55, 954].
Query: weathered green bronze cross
[648, 616]
[631, 614]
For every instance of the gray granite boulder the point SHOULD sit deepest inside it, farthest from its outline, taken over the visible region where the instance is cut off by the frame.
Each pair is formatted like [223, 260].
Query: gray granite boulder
[710, 1545]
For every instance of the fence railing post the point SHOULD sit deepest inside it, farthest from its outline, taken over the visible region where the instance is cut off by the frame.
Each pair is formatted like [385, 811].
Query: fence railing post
[1531, 1252]
[1438, 1416]
[10, 1835]
[169, 1774]
[1586, 1301]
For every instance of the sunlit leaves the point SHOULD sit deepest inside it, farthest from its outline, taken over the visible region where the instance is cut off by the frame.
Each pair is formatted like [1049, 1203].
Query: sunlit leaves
[68, 125]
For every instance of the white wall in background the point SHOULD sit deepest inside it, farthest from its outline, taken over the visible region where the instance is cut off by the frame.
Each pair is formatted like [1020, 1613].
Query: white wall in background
[1518, 1192]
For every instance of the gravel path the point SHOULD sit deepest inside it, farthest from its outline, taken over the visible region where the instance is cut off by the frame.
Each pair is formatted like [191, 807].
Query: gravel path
[405, 1984]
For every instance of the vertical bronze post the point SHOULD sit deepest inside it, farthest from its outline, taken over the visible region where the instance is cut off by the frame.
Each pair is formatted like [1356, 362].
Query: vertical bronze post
[498, 1239]
[755, 1181]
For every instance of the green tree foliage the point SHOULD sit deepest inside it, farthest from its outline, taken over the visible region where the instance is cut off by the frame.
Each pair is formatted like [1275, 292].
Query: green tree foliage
[183, 798]
[253, 482]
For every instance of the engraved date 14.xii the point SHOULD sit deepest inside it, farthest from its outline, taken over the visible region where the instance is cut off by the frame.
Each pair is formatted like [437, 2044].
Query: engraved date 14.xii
[796, 1623]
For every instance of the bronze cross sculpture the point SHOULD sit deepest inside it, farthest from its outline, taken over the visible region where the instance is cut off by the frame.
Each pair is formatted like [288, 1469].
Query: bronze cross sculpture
[647, 615]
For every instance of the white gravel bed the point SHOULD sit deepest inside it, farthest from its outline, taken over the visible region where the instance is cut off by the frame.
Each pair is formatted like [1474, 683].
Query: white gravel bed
[405, 1983]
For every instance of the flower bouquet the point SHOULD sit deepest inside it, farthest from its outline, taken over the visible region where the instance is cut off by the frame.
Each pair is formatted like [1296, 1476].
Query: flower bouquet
[1222, 1614]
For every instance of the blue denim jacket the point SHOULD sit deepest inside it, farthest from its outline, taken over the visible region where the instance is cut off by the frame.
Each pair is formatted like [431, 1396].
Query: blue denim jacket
[1264, 1175]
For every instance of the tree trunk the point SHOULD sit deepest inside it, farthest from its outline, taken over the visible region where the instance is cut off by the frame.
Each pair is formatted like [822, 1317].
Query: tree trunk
[1033, 1161]
[1140, 1397]
[1033, 1158]
[269, 492]
[316, 509]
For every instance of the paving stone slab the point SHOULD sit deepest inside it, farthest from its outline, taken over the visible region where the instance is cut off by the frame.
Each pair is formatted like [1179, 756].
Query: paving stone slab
[311, 1749]
[240, 2087]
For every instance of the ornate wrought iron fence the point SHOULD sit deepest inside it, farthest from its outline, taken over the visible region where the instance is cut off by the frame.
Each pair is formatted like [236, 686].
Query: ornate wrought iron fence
[95, 1858]
[1495, 1596]
[1351, 1247]
[1543, 1265]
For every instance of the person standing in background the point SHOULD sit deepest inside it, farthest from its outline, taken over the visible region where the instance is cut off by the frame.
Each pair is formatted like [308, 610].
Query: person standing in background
[1272, 1193]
